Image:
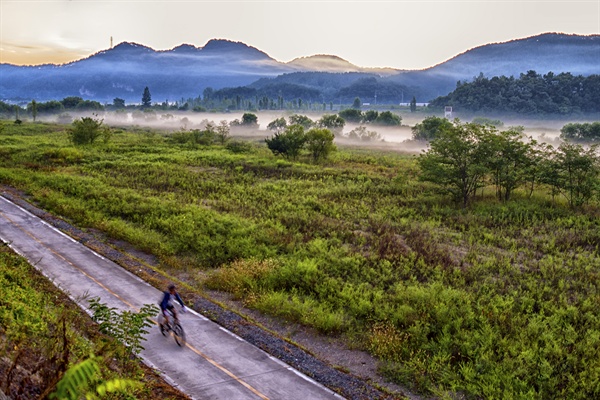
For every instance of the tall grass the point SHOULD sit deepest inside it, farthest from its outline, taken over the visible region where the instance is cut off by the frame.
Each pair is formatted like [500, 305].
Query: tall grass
[499, 300]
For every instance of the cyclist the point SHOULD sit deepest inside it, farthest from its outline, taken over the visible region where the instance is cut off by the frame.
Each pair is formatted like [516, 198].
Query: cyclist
[168, 303]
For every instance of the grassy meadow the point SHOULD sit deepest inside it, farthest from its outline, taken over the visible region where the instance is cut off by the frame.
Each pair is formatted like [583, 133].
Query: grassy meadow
[499, 300]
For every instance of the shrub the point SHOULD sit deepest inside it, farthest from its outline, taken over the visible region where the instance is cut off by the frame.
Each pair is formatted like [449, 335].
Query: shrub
[320, 143]
[289, 143]
[86, 130]
[237, 146]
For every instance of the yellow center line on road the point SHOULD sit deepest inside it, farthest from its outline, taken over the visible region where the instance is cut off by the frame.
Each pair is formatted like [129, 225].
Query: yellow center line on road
[201, 354]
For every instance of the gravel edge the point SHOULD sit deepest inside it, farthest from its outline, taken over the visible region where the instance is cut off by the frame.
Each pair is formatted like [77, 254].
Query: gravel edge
[347, 385]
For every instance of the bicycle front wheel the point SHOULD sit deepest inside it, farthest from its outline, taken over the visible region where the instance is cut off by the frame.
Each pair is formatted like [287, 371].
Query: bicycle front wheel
[178, 334]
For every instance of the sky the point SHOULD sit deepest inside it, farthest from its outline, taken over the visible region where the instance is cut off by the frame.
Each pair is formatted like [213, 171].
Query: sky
[403, 34]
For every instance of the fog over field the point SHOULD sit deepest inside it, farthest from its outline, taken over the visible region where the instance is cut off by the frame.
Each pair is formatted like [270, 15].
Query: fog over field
[396, 138]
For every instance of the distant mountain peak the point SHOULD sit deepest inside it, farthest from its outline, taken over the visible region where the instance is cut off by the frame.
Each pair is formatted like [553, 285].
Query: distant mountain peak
[331, 63]
[323, 57]
[229, 46]
[185, 48]
[130, 46]
[324, 62]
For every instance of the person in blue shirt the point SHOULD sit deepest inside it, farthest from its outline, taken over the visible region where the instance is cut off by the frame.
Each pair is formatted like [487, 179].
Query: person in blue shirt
[168, 303]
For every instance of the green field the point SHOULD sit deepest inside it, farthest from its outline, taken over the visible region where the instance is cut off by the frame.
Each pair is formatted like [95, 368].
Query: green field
[499, 300]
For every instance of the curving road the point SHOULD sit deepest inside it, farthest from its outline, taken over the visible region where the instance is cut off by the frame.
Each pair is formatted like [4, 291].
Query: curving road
[215, 363]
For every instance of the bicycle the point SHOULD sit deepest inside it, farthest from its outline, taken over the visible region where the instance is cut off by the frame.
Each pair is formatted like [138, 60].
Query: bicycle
[172, 326]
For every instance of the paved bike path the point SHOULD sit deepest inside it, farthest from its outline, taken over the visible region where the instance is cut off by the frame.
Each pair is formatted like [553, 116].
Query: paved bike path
[215, 364]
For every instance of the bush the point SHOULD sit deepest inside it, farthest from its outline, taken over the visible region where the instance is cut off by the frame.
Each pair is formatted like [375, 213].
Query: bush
[236, 146]
[320, 143]
[86, 130]
[387, 118]
[288, 143]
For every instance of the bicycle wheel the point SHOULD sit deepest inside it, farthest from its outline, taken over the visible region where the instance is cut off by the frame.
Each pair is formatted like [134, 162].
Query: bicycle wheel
[178, 334]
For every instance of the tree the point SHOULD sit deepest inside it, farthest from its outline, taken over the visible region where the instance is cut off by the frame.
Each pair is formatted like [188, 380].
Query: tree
[356, 104]
[413, 104]
[222, 132]
[429, 128]
[370, 116]
[303, 120]
[351, 115]
[146, 98]
[71, 102]
[277, 125]
[456, 161]
[118, 103]
[361, 133]
[487, 121]
[320, 143]
[207, 94]
[34, 110]
[388, 118]
[249, 119]
[508, 159]
[333, 122]
[288, 143]
[581, 132]
[576, 172]
[52, 106]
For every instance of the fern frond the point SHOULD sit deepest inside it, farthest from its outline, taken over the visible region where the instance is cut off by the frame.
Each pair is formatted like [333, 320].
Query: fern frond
[76, 379]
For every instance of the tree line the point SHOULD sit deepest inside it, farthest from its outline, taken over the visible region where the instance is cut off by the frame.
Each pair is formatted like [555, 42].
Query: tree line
[465, 157]
[529, 94]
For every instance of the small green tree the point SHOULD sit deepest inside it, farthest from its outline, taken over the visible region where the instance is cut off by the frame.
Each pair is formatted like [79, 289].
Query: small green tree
[388, 118]
[222, 132]
[119, 103]
[277, 125]
[34, 110]
[456, 161]
[17, 120]
[86, 130]
[413, 104]
[249, 120]
[128, 327]
[71, 102]
[370, 116]
[351, 115]
[361, 133]
[146, 98]
[288, 143]
[430, 128]
[508, 160]
[356, 104]
[302, 120]
[320, 143]
[333, 122]
[576, 172]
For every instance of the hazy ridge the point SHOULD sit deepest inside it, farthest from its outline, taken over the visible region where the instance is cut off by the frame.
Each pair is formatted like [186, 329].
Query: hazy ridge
[186, 70]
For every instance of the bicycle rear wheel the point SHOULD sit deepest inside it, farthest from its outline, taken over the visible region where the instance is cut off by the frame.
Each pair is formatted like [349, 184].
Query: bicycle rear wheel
[178, 334]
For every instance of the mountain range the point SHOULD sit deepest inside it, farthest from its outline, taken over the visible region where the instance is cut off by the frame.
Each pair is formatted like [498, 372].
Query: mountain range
[186, 71]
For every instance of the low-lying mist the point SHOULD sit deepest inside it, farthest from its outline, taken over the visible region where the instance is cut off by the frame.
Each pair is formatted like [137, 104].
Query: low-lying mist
[397, 138]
